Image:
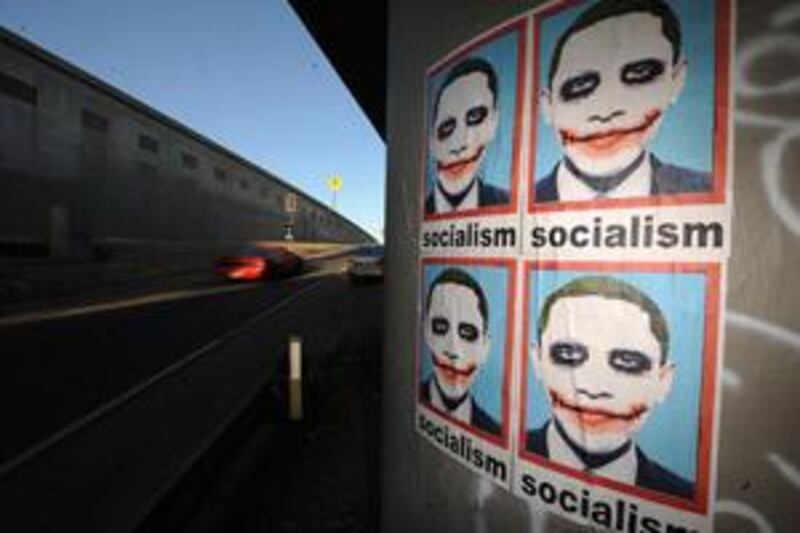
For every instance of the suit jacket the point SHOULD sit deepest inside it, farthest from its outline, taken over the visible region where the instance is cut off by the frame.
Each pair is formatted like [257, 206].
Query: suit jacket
[480, 419]
[649, 474]
[667, 179]
[487, 195]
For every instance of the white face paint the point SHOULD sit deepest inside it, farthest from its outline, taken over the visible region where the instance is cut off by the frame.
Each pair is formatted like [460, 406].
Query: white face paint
[615, 81]
[600, 364]
[465, 123]
[454, 332]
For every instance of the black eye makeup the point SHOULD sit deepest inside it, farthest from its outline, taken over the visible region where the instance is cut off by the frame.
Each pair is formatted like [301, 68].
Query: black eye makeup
[579, 86]
[440, 326]
[468, 332]
[630, 361]
[641, 72]
[476, 115]
[445, 129]
[568, 353]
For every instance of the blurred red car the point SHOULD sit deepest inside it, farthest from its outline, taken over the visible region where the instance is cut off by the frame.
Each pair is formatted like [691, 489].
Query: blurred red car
[253, 264]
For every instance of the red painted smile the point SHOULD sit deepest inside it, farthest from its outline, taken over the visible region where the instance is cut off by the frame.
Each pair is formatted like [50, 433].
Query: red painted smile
[596, 419]
[454, 375]
[607, 142]
[460, 168]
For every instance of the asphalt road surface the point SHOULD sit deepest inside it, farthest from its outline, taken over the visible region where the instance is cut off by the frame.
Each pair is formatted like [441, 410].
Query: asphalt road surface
[63, 373]
[319, 474]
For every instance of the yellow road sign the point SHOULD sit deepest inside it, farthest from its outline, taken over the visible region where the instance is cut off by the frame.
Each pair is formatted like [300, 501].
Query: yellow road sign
[335, 183]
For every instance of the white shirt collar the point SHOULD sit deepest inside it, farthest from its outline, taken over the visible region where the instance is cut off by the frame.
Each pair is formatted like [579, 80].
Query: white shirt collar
[463, 412]
[638, 184]
[470, 201]
[622, 469]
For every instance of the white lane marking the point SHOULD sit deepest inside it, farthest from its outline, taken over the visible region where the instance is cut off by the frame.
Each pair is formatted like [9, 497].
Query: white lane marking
[148, 299]
[41, 316]
[133, 392]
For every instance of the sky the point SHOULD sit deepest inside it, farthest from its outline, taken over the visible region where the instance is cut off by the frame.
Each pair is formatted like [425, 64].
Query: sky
[246, 74]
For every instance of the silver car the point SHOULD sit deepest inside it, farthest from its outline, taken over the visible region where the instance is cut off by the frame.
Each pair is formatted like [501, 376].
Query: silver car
[366, 263]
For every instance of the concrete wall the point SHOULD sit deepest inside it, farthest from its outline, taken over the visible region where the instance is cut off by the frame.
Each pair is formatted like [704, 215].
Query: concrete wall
[67, 178]
[759, 439]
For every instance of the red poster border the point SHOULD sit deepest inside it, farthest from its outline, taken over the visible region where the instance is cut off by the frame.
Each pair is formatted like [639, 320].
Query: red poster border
[706, 416]
[719, 172]
[510, 265]
[520, 25]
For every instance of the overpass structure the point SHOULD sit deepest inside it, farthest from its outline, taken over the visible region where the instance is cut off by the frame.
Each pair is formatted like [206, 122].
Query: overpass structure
[83, 163]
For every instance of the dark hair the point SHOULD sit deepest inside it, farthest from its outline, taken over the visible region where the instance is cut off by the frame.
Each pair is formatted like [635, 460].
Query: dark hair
[466, 67]
[612, 289]
[605, 9]
[457, 276]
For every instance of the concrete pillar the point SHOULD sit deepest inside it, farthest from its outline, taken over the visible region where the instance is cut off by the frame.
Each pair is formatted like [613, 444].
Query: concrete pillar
[759, 437]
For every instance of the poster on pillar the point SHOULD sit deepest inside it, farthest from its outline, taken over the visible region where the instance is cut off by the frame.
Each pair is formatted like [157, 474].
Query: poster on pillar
[471, 160]
[630, 122]
[463, 364]
[575, 224]
[619, 387]
[627, 228]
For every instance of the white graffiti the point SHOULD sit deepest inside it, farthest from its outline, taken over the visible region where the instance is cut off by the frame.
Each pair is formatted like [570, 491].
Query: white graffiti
[785, 16]
[787, 469]
[756, 325]
[749, 118]
[731, 379]
[777, 42]
[774, 43]
[743, 510]
[771, 157]
[767, 45]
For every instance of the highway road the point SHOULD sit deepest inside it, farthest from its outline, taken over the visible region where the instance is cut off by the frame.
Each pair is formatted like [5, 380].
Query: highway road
[161, 375]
